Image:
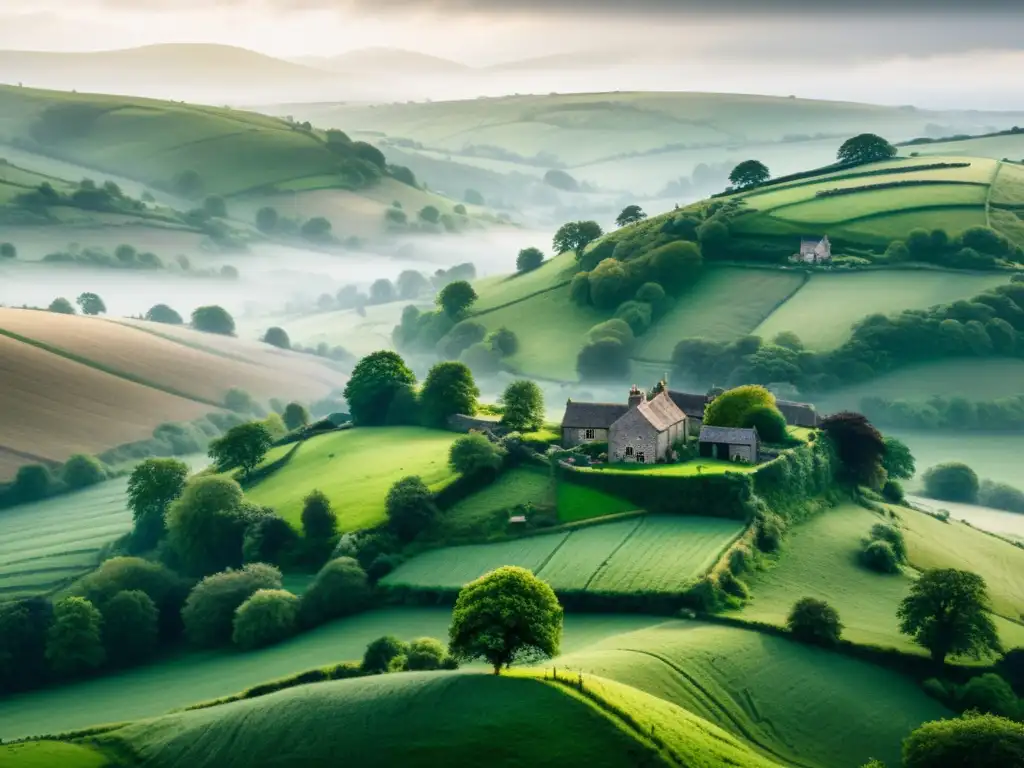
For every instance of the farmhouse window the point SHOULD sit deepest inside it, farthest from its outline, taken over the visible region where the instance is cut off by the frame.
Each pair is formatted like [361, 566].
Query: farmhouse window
[640, 457]
[629, 450]
[588, 434]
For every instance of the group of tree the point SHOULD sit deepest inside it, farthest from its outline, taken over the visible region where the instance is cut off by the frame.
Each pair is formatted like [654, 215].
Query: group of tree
[746, 407]
[989, 325]
[86, 195]
[947, 413]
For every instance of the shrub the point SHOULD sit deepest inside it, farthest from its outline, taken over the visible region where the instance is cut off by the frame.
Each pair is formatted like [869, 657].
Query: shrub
[460, 338]
[268, 540]
[636, 314]
[339, 589]
[770, 529]
[81, 471]
[316, 229]
[73, 641]
[474, 453]
[603, 360]
[651, 293]
[295, 416]
[239, 401]
[267, 617]
[131, 624]
[972, 741]
[277, 337]
[814, 621]
[161, 313]
[410, 507]
[892, 535]
[730, 408]
[209, 612]
[952, 481]
[731, 585]
[677, 265]
[380, 653]
[579, 289]
[529, 259]
[32, 482]
[769, 422]
[130, 574]
[213, 319]
[61, 306]
[989, 694]
[879, 556]
[893, 492]
[740, 560]
[609, 284]
[426, 653]
[503, 341]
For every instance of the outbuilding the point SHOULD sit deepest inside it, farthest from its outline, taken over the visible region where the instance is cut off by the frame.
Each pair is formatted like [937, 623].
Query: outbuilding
[730, 444]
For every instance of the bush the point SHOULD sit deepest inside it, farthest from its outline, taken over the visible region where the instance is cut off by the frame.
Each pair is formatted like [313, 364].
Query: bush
[579, 289]
[503, 341]
[339, 589]
[161, 313]
[474, 453]
[529, 259]
[893, 492]
[295, 416]
[768, 421]
[267, 617]
[636, 314]
[892, 535]
[879, 556]
[130, 574]
[268, 540]
[609, 284]
[209, 612]
[277, 337]
[952, 481]
[989, 694]
[380, 653]
[676, 265]
[426, 653]
[61, 306]
[770, 529]
[131, 624]
[81, 471]
[410, 507]
[32, 482]
[972, 741]
[731, 585]
[814, 621]
[239, 401]
[213, 319]
[741, 559]
[730, 408]
[607, 359]
[651, 293]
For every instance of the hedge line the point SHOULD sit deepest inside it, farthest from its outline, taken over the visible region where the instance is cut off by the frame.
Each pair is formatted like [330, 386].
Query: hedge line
[892, 185]
[343, 671]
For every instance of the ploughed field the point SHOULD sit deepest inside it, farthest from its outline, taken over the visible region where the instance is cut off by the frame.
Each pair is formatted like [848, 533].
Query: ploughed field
[645, 553]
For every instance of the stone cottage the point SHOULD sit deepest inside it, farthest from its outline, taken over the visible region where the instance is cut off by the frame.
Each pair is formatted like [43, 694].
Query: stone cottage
[814, 251]
[639, 430]
[730, 444]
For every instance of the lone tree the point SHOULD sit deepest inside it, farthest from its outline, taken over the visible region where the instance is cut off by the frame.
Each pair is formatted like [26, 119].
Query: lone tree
[152, 486]
[456, 298]
[161, 313]
[319, 523]
[61, 306]
[749, 173]
[91, 304]
[952, 481]
[523, 404]
[947, 613]
[505, 616]
[213, 319]
[277, 337]
[375, 381]
[215, 206]
[859, 445]
[971, 741]
[865, 148]
[631, 214]
[202, 524]
[529, 259]
[449, 389]
[814, 621]
[243, 446]
[576, 236]
[410, 506]
[295, 416]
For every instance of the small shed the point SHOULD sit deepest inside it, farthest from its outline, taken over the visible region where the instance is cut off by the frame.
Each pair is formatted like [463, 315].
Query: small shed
[730, 444]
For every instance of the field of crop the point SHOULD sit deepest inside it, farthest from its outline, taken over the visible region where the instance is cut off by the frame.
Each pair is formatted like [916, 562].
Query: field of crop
[577, 502]
[47, 544]
[521, 485]
[800, 705]
[823, 311]
[751, 295]
[1008, 188]
[179, 681]
[652, 553]
[53, 407]
[356, 468]
[820, 559]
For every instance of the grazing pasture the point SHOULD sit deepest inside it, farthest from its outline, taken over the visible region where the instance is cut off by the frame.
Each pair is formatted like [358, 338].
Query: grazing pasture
[795, 704]
[47, 754]
[823, 311]
[651, 553]
[356, 468]
[52, 407]
[520, 485]
[180, 681]
[498, 290]
[577, 502]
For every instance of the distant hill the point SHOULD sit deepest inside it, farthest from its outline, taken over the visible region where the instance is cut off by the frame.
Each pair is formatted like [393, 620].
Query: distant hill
[385, 61]
[169, 70]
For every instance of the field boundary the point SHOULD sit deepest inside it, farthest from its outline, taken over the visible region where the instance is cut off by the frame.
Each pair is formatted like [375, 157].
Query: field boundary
[604, 563]
[107, 369]
[521, 299]
[180, 342]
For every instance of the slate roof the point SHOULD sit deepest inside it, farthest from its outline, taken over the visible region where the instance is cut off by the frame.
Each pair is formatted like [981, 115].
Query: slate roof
[798, 414]
[592, 415]
[661, 412]
[690, 404]
[730, 435]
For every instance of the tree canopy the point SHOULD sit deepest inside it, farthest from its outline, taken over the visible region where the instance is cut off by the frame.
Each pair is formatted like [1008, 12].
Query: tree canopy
[410, 507]
[971, 741]
[449, 389]
[374, 382]
[749, 173]
[505, 616]
[859, 445]
[529, 259]
[61, 306]
[277, 337]
[575, 236]
[898, 461]
[161, 313]
[952, 481]
[74, 643]
[318, 519]
[865, 148]
[295, 416]
[213, 319]
[730, 408]
[456, 298]
[91, 304]
[474, 453]
[523, 406]
[947, 613]
[631, 214]
[244, 446]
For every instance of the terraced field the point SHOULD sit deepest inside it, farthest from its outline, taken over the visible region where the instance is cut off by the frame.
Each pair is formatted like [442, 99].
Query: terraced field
[823, 311]
[652, 553]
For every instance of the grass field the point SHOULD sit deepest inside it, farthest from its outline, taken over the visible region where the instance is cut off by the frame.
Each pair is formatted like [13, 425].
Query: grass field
[686, 469]
[799, 705]
[177, 682]
[577, 502]
[820, 559]
[520, 485]
[824, 310]
[995, 147]
[652, 553]
[498, 290]
[47, 754]
[47, 544]
[1009, 525]
[356, 468]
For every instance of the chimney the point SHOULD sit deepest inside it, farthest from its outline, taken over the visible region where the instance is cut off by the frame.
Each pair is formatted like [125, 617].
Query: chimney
[636, 396]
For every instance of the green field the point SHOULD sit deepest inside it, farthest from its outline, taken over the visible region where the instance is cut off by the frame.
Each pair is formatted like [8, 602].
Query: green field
[799, 705]
[1009, 525]
[520, 485]
[577, 502]
[823, 311]
[48, 544]
[652, 553]
[820, 560]
[995, 147]
[686, 469]
[356, 468]
[48, 754]
[187, 679]
[498, 290]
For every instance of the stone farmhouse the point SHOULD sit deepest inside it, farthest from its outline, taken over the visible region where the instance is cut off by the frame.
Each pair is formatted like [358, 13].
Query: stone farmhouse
[730, 444]
[640, 431]
[814, 251]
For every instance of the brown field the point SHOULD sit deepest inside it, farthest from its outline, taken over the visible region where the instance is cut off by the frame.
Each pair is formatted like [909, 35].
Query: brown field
[54, 407]
[305, 375]
[156, 360]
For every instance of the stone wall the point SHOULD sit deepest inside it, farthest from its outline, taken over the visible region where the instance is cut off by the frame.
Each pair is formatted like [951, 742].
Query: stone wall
[572, 436]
